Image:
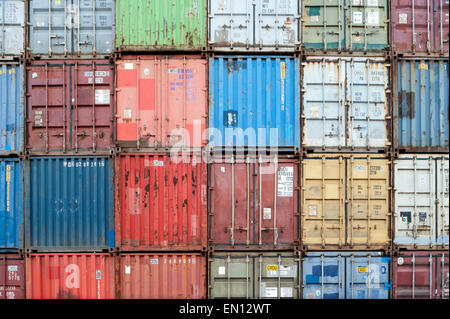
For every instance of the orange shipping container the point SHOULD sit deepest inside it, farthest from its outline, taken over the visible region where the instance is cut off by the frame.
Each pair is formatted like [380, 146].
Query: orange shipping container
[162, 276]
[70, 276]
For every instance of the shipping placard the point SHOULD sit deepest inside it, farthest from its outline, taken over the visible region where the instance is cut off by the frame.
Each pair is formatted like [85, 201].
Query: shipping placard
[286, 181]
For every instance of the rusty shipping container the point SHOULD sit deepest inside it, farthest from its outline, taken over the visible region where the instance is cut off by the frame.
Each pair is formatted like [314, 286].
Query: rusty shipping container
[420, 27]
[346, 202]
[421, 275]
[12, 277]
[12, 28]
[162, 276]
[161, 101]
[254, 202]
[160, 202]
[70, 107]
[70, 276]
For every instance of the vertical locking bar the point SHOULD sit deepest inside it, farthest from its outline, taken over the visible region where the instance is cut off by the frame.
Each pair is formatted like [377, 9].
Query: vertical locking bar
[79, 29]
[64, 108]
[247, 20]
[231, 26]
[368, 204]
[276, 24]
[413, 275]
[94, 25]
[279, 277]
[414, 221]
[46, 108]
[248, 201]
[431, 275]
[184, 96]
[260, 198]
[442, 273]
[324, 28]
[50, 27]
[323, 101]
[138, 110]
[350, 213]
[368, 104]
[260, 270]
[246, 277]
[369, 285]
[441, 201]
[352, 271]
[339, 26]
[321, 276]
[428, 27]
[322, 230]
[165, 118]
[228, 276]
[440, 27]
[413, 27]
[365, 26]
[431, 198]
[76, 105]
[351, 26]
[66, 20]
[94, 133]
[339, 276]
[275, 229]
[352, 108]
[232, 201]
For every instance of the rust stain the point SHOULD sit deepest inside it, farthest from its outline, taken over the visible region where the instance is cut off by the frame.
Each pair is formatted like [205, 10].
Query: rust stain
[406, 102]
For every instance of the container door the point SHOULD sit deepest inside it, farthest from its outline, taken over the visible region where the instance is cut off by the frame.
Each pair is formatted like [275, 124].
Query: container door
[12, 19]
[441, 25]
[323, 277]
[12, 278]
[367, 82]
[277, 277]
[368, 190]
[442, 193]
[324, 108]
[323, 193]
[442, 276]
[323, 24]
[367, 277]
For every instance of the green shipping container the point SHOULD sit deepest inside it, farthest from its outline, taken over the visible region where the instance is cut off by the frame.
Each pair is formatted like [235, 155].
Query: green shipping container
[345, 25]
[160, 25]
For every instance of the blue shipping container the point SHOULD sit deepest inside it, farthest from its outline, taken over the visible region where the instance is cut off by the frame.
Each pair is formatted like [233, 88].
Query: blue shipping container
[345, 275]
[422, 105]
[11, 204]
[254, 101]
[69, 204]
[12, 108]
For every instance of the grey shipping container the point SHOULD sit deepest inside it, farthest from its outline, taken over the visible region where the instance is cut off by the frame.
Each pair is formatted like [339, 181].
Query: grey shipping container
[12, 28]
[73, 28]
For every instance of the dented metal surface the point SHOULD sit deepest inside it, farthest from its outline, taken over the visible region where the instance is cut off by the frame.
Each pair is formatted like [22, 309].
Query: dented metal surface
[143, 25]
[12, 277]
[160, 202]
[12, 28]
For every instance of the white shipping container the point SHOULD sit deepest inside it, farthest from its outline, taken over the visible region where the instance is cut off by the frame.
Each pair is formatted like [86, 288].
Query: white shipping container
[12, 27]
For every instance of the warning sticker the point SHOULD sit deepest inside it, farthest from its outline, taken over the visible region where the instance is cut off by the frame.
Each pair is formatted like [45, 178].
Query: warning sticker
[267, 213]
[285, 181]
[102, 97]
[272, 267]
[357, 17]
[153, 261]
[372, 3]
[127, 114]
[423, 66]
[312, 211]
[286, 292]
[314, 19]
[402, 18]
[38, 118]
[127, 269]
[271, 292]
[158, 163]
[128, 66]
[373, 17]
[362, 269]
[222, 270]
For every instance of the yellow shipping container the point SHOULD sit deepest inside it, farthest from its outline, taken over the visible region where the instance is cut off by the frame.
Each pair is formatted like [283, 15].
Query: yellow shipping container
[346, 202]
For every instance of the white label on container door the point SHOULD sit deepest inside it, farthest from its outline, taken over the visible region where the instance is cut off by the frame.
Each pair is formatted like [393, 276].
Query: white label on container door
[222, 270]
[314, 112]
[38, 118]
[356, 2]
[285, 181]
[360, 167]
[34, 75]
[314, 18]
[127, 114]
[267, 213]
[271, 292]
[13, 268]
[357, 17]
[102, 97]
[128, 66]
[373, 17]
[312, 211]
[402, 18]
[98, 274]
[286, 292]
[372, 3]
[400, 260]
[222, 169]
[153, 261]
[158, 163]
[146, 71]
[127, 270]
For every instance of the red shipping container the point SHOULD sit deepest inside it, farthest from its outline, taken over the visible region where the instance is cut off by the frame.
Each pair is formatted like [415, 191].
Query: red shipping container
[70, 106]
[420, 26]
[161, 101]
[70, 276]
[162, 276]
[160, 202]
[421, 275]
[12, 279]
[254, 202]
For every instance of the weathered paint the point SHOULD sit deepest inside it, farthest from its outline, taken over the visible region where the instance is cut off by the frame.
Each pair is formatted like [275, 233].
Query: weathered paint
[254, 25]
[420, 26]
[161, 101]
[69, 204]
[12, 28]
[254, 202]
[11, 204]
[346, 202]
[346, 275]
[254, 101]
[70, 107]
[76, 28]
[421, 200]
[345, 25]
[160, 202]
[346, 103]
[162, 276]
[263, 275]
[11, 108]
[421, 104]
[12, 277]
[70, 276]
[421, 275]
[160, 25]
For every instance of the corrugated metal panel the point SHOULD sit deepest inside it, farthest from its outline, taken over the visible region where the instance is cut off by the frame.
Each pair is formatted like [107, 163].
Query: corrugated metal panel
[69, 204]
[161, 25]
[346, 202]
[162, 276]
[421, 105]
[167, 106]
[12, 108]
[70, 276]
[253, 101]
[420, 26]
[353, 25]
[254, 25]
[71, 27]
[70, 106]
[265, 275]
[254, 202]
[11, 204]
[421, 200]
[345, 275]
[160, 202]
[12, 277]
[12, 27]
[346, 103]
[421, 275]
